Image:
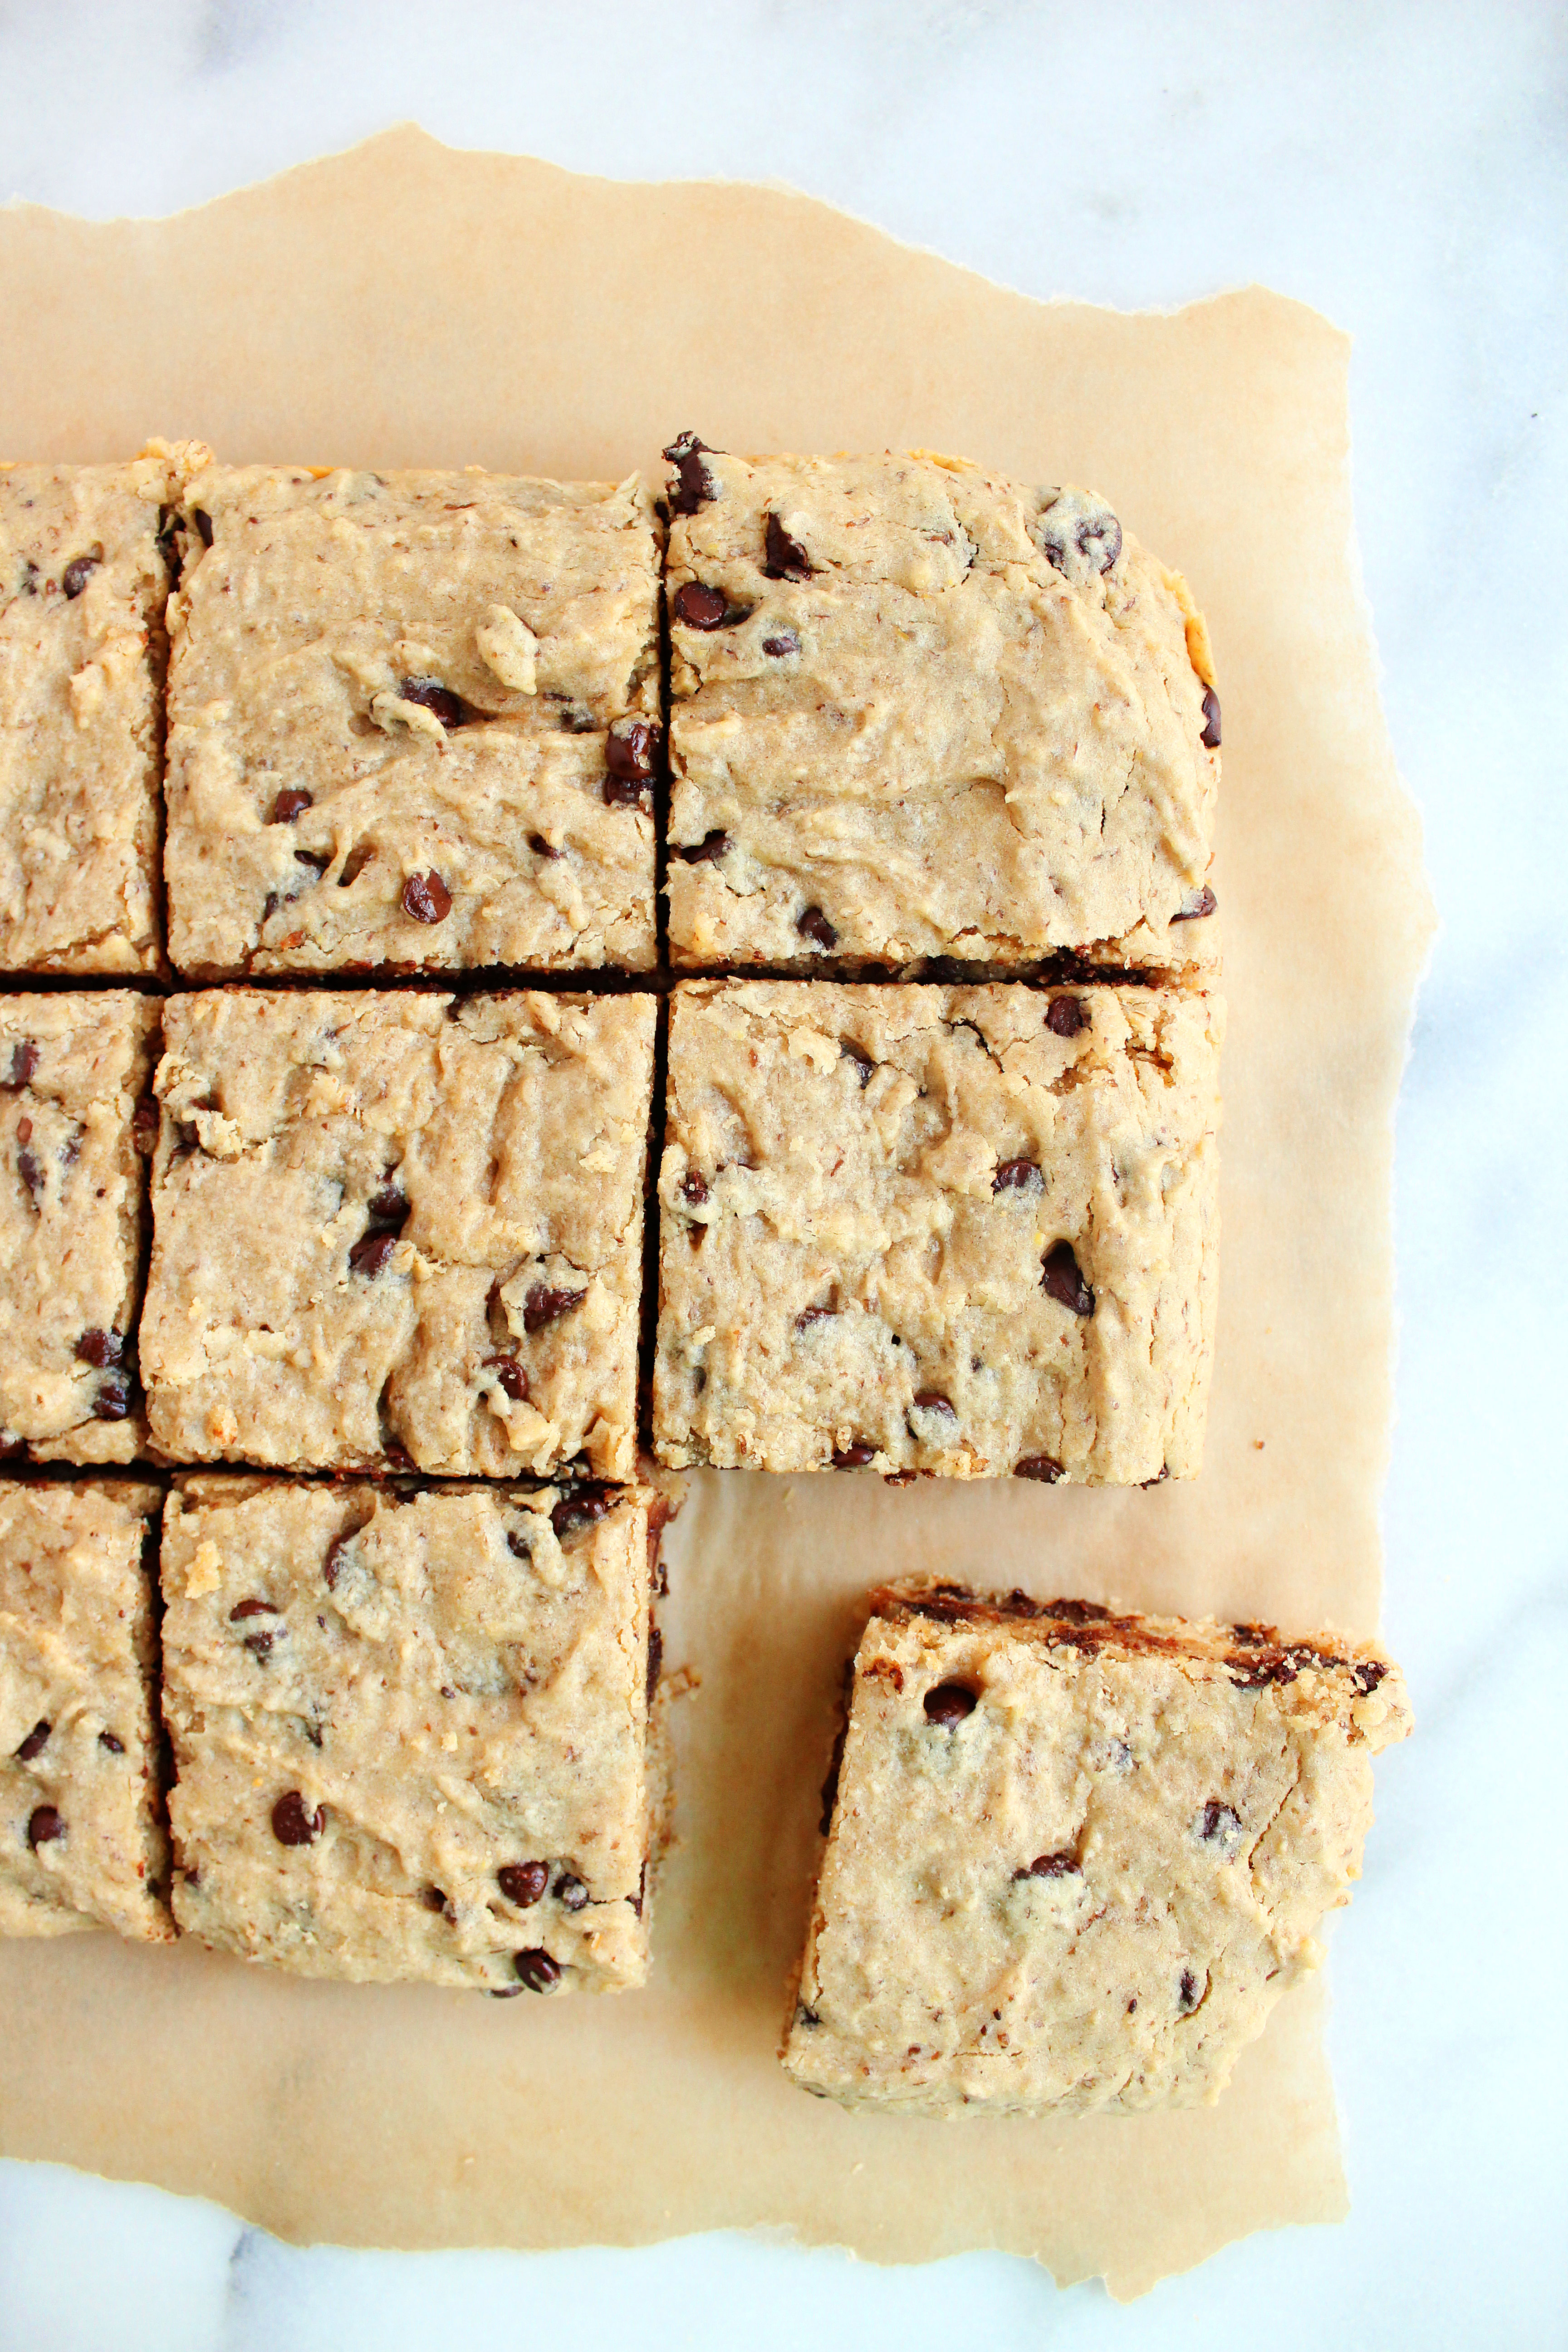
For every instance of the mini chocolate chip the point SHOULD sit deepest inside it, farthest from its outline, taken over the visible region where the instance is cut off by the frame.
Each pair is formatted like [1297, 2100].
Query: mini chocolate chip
[260, 1645]
[318, 860]
[244, 1608]
[541, 847]
[813, 924]
[932, 1400]
[571, 1893]
[1062, 1281]
[1016, 1176]
[694, 1188]
[1203, 906]
[854, 1457]
[144, 1123]
[1067, 1016]
[849, 1052]
[371, 1253]
[1043, 1466]
[655, 1660]
[693, 484]
[1064, 1865]
[112, 1401]
[1209, 739]
[579, 1510]
[523, 1882]
[78, 573]
[510, 1375]
[519, 1545]
[34, 1743]
[332, 1564]
[292, 1824]
[1220, 1822]
[427, 897]
[115, 1747]
[23, 1062]
[698, 607]
[438, 699]
[631, 751]
[290, 804]
[1369, 1673]
[1099, 536]
[785, 643]
[786, 557]
[1189, 1991]
[44, 1827]
[706, 852]
[537, 1970]
[809, 1316]
[31, 1175]
[949, 1702]
[544, 1306]
[204, 523]
[354, 864]
[100, 1348]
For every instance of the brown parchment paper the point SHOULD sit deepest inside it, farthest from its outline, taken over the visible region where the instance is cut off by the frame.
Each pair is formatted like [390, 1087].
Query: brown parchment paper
[405, 305]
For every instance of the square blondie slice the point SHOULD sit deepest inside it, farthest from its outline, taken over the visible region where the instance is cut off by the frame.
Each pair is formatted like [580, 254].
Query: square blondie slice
[77, 1124]
[85, 569]
[399, 1229]
[1075, 1858]
[920, 710]
[410, 1728]
[81, 1836]
[413, 723]
[971, 1230]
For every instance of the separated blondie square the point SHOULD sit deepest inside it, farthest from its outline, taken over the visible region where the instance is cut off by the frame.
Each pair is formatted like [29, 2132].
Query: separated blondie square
[968, 1231]
[1075, 1858]
[77, 1125]
[397, 1230]
[413, 723]
[85, 568]
[921, 711]
[82, 1838]
[410, 1729]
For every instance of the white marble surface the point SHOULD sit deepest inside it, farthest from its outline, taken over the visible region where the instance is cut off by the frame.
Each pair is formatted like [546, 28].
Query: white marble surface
[1404, 167]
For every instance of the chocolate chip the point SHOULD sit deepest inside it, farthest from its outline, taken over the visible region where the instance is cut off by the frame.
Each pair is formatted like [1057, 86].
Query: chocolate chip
[1209, 739]
[849, 1052]
[244, 1608]
[331, 1566]
[1189, 1993]
[813, 924]
[932, 1400]
[204, 523]
[354, 864]
[571, 1893]
[1221, 1823]
[1079, 1612]
[706, 852]
[34, 1743]
[854, 1457]
[541, 847]
[1062, 1281]
[1369, 1673]
[655, 1660]
[434, 1899]
[1099, 539]
[318, 860]
[523, 1882]
[293, 1825]
[389, 1207]
[786, 557]
[260, 1645]
[785, 643]
[1064, 1865]
[949, 1702]
[144, 1123]
[1016, 1176]
[1203, 906]
[44, 1827]
[694, 1188]
[78, 573]
[631, 751]
[698, 607]
[830, 1785]
[290, 804]
[23, 1062]
[519, 1545]
[100, 1348]
[537, 1970]
[577, 721]
[1161, 1475]
[1067, 1016]
[693, 484]
[112, 1401]
[809, 1316]
[371, 1253]
[427, 897]
[1043, 1466]
[544, 1306]
[31, 1175]
[579, 1510]
[439, 700]
[1266, 1671]
[510, 1375]
[115, 1747]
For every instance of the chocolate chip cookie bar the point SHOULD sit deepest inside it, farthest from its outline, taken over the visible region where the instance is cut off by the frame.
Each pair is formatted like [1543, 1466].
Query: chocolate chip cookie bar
[970, 1231]
[920, 710]
[410, 1728]
[1075, 1858]
[84, 578]
[82, 1839]
[399, 1229]
[413, 723]
[76, 1124]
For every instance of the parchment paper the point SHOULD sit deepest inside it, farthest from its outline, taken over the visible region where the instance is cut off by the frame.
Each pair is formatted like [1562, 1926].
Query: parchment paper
[405, 305]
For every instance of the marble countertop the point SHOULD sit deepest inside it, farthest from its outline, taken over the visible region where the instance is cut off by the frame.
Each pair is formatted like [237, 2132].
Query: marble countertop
[1402, 166]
